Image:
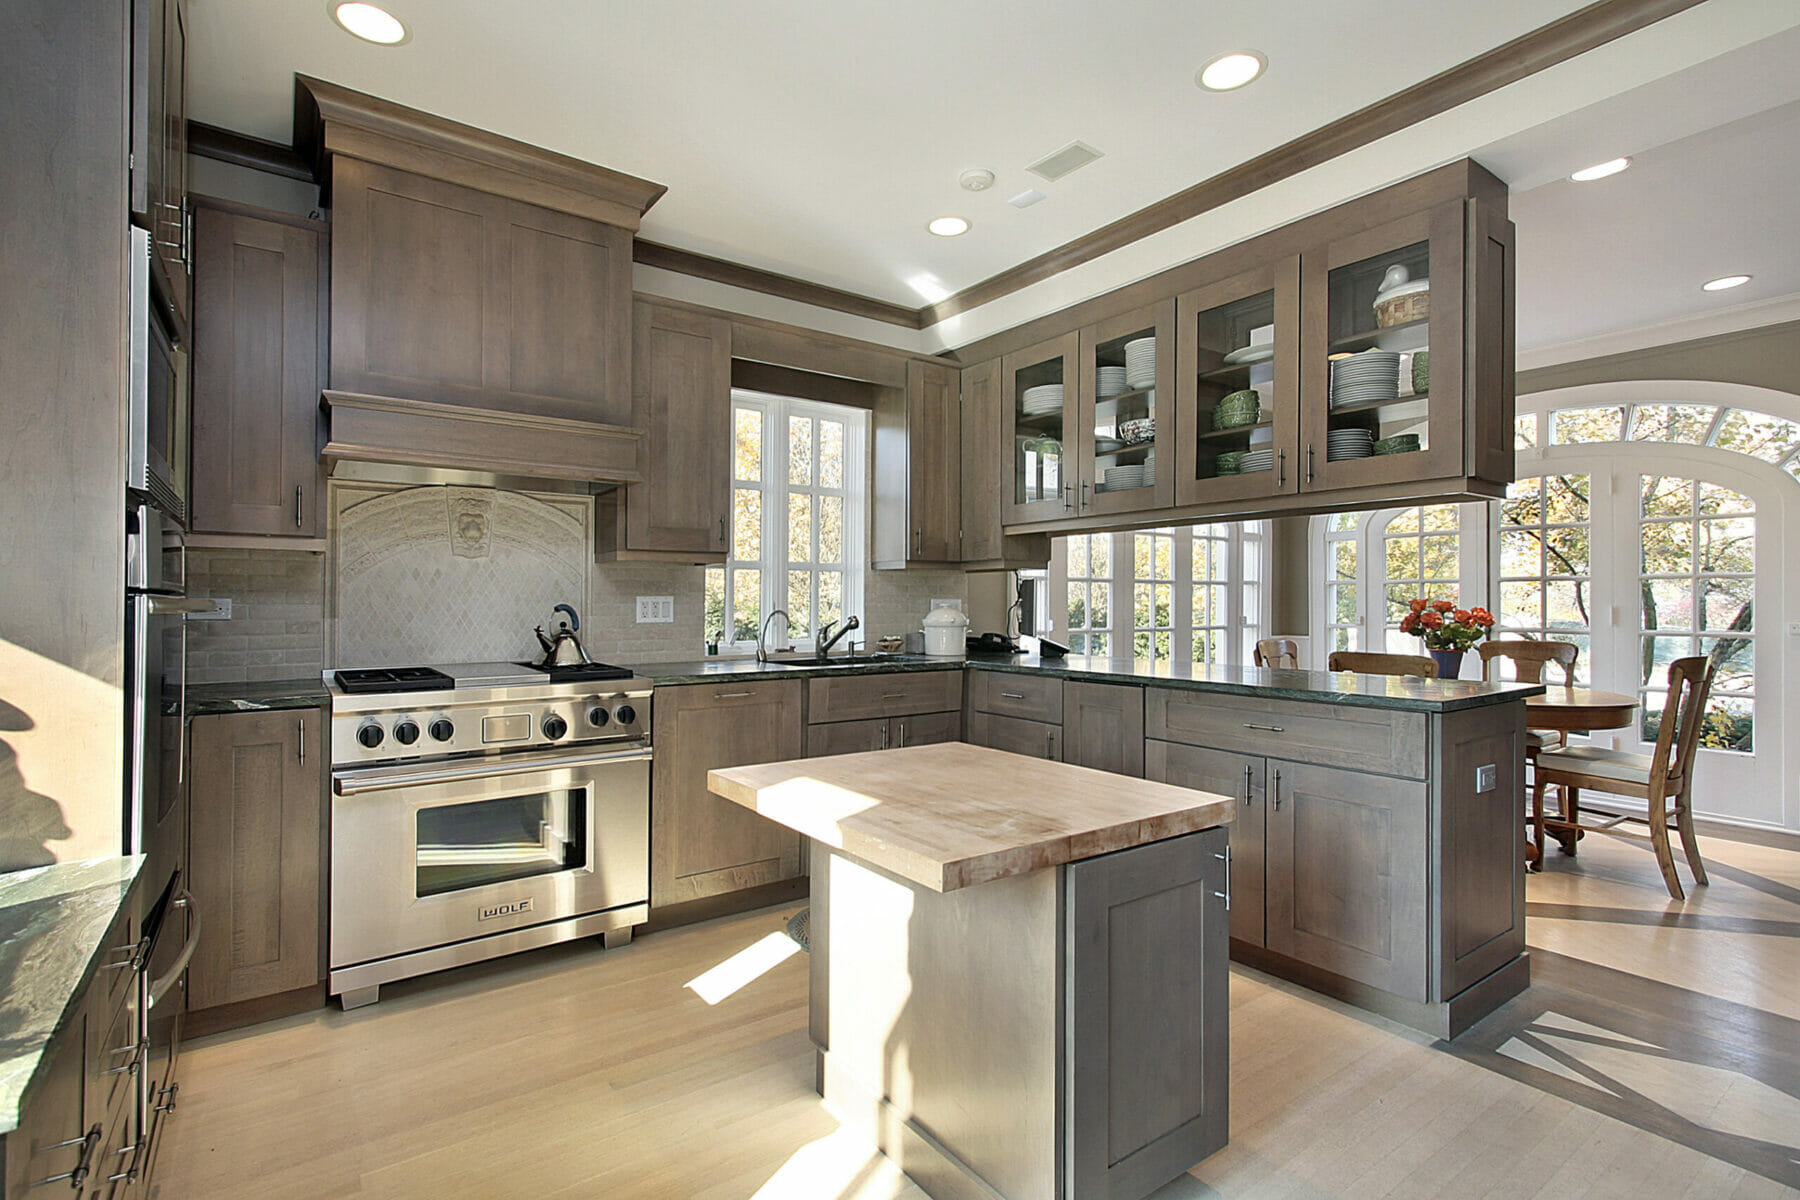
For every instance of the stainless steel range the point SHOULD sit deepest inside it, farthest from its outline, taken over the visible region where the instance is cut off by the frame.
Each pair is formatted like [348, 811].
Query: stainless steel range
[480, 809]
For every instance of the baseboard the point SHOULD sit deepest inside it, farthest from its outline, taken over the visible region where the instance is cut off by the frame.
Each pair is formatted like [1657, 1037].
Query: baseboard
[764, 895]
[221, 1017]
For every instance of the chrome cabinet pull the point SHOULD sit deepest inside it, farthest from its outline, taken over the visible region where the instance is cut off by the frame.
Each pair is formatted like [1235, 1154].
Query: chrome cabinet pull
[1050, 746]
[1084, 494]
[884, 737]
[88, 1142]
[1309, 464]
[1012, 695]
[733, 695]
[1280, 467]
[163, 983]
[1246, 785]
[903, 733]
[303, 740]
[298, 507]
[1226, 894]
[721, 531]
[1270, 728]
[1068, 496]
[893, 696]
[1278, 791]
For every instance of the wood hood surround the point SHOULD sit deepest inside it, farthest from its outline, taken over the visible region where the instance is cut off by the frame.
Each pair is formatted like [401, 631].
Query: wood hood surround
[481, 300]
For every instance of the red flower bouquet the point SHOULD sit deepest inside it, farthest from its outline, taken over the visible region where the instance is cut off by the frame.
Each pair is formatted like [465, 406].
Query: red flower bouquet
[1445, 626]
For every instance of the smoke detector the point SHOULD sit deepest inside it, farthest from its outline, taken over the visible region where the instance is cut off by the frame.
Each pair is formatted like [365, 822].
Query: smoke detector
[977, 179]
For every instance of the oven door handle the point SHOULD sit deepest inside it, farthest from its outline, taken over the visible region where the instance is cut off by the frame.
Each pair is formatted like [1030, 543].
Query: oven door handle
[349, 783]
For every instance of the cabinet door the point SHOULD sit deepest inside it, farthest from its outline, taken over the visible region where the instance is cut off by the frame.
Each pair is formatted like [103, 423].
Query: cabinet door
[1240, 776]
[918, 473]
[1016, 735]
[1125, 388]
[1041, 398]
[171, 233]
[47, 1144]
[848, 737]
[1340, 403]
[681, 399]
[928, 729]
[259, 325]
[257, 795]
[1346, 874]
[1147, 1039]
[1236, 336]
[700, 844]
[985, 463]
[1103, 727]
[448, 294]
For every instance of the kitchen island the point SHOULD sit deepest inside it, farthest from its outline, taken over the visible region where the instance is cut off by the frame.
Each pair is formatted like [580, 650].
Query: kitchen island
[1018, 966]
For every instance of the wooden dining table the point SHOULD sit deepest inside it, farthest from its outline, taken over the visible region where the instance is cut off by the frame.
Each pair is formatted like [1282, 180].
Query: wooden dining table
[1574, 710]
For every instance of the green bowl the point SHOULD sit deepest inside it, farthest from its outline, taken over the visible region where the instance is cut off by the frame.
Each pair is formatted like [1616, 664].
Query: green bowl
[1231, 462]
[1403, 443]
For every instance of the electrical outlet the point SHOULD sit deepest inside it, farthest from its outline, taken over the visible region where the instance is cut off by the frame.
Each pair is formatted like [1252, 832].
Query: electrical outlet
[655, 610]
[1486, 777]
[1794, 628]
[220, 611]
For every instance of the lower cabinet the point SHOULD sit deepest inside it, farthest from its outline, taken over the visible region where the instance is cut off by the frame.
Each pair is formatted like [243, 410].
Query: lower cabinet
[256, 851]
[848, 714]
[1241, 776]
[702, 845]
[1040, 739]
[1103, 727]
[882, 733]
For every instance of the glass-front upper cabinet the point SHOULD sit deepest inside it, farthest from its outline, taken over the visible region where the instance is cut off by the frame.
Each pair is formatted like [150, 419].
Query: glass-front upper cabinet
[1127, 381]
[1043, 394]
[1382, 308]
[1237, 386]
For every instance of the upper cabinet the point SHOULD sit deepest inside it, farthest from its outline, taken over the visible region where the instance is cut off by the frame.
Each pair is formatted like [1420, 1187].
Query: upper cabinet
[259, 326]
[1042, 396]
[681, 399]
[159, 200]
[1124, 414]
[986, 423]
[918, 473]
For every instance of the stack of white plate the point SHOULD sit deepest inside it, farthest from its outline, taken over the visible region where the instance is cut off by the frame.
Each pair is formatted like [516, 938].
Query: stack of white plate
[1257, 460]
[1140, 363]
[1362, 378]
[1348, 443]
[1112, 381]
[1042, 400]
[1118, 479]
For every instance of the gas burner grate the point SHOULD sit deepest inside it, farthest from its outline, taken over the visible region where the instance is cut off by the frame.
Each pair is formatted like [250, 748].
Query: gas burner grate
[393, 679]
[582, 672]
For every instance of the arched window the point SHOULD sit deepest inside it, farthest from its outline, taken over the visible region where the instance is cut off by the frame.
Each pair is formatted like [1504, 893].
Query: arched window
[1372, 564]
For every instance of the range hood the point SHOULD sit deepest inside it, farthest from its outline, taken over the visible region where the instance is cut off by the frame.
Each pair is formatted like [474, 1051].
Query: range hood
[422, 433]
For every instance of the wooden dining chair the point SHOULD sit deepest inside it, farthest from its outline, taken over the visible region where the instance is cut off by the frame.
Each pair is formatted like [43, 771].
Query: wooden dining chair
[1663, 779]
[1282, 653]
[1382, 664]
[1529, 658]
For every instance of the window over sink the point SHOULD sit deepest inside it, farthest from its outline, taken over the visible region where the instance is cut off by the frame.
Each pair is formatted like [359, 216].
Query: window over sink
[798, 529]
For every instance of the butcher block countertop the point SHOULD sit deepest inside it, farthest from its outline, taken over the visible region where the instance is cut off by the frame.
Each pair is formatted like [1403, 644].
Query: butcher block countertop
[952, 816]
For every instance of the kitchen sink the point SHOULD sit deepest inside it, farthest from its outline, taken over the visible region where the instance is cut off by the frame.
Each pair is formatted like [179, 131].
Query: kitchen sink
[861, 660]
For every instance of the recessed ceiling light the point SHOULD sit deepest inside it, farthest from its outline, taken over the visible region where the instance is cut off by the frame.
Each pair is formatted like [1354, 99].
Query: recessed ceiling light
[369, 22]
[1723, 282]
[1229, 71]
[1611, 166]
[948, 226]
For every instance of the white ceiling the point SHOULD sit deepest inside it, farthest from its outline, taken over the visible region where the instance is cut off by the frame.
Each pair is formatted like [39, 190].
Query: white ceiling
[816, 139]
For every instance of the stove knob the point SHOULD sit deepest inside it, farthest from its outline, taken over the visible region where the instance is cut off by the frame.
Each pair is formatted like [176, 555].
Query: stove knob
[555, 727]
[442, 729]
[598, 716]
[370, 735]
[406, 732]
[625, 714]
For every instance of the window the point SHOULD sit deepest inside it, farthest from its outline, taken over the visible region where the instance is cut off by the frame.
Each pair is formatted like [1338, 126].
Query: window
[1421, 550]
[797, 543]
[1371, 564]
[1190, 588]
[1545, 583]
[1343, 613]
[1697, 584]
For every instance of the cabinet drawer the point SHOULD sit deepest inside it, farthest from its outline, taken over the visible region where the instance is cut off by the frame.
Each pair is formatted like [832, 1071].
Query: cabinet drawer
[1016, 735]
[928, 730]
[1036, 698]
[1379, 740]
[858, 697]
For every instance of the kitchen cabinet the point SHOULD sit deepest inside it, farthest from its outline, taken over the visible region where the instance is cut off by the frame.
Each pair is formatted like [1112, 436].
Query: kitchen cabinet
[851, 714]
[985, 426]
[259, 364]
[1042, 401]
[449, 294]
[159, 194]
[1103, 727]
[702, 845]
[50, 1143]
[1243, 777]
[256, 857]
[1016, 735]
[918, 471]
[681, 399]
[1124, 413]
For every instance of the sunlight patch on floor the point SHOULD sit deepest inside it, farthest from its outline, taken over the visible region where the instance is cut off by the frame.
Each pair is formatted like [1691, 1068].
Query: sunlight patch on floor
[744, 968]
[838, 1166]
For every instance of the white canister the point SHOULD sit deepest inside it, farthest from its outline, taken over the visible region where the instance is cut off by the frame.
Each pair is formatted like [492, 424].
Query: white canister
[946, 630]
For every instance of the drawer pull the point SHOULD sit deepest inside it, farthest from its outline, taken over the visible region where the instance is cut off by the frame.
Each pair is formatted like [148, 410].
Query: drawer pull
[88, 1143]
[1278, 791]
[1012, 695]
[894, 696]
[733, 695]
[1270, 728]
[1247, 787]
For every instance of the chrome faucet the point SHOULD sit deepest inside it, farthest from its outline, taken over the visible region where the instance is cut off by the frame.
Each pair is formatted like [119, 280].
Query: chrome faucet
[762, 653]
[826, 643]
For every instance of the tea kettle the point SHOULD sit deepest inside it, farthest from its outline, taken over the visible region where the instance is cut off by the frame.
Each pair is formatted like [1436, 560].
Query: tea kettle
[564, 650]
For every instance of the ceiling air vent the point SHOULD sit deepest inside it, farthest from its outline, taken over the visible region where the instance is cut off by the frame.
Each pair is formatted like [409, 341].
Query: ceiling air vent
[1071, 157]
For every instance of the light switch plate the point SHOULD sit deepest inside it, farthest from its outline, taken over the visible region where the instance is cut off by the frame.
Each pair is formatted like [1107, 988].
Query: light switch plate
[655, 610]
[1486, 777]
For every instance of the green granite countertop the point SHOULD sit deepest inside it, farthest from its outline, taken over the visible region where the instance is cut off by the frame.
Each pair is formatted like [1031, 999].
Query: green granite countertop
[53, 921]
[204, 699]
[1324, 687]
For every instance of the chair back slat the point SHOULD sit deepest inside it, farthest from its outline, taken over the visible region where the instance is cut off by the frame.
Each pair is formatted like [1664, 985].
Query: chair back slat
[1382, 664]
[1529, 656]
[1684, 710]
[1283, 653]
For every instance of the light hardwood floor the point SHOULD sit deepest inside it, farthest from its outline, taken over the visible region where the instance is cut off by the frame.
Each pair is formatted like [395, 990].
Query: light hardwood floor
[1657, 1054]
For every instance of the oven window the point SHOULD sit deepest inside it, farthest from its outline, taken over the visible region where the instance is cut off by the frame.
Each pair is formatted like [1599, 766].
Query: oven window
[463, 846]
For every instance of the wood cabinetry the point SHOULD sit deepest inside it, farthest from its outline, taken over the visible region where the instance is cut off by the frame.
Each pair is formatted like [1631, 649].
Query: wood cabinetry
[256, 854]
[1126, 421]
[259, 365]
[449, 294]
[681, 399]
[159, 194]
[851, 714]
[985, 478]
[702, 845]
[918, 470]
[1039, 739]
[1243, 777]
[1103, 727]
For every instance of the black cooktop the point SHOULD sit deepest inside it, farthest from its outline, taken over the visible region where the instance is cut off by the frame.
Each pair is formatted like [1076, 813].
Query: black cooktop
[393, 679]
[581, 672]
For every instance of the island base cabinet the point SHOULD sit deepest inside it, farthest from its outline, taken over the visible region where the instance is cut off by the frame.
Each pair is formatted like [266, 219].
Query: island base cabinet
[1058, 1033]
[1242, 776]
[1346, 874]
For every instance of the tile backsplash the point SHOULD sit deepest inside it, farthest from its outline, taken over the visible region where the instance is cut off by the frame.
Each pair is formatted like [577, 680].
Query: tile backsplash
[277, 625]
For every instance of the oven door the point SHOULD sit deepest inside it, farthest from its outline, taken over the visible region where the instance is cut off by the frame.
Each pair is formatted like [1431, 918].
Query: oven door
[426, 855]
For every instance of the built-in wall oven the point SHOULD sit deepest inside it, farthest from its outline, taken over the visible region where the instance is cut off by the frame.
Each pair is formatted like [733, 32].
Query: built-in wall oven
[159, 419]
[468, 823]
